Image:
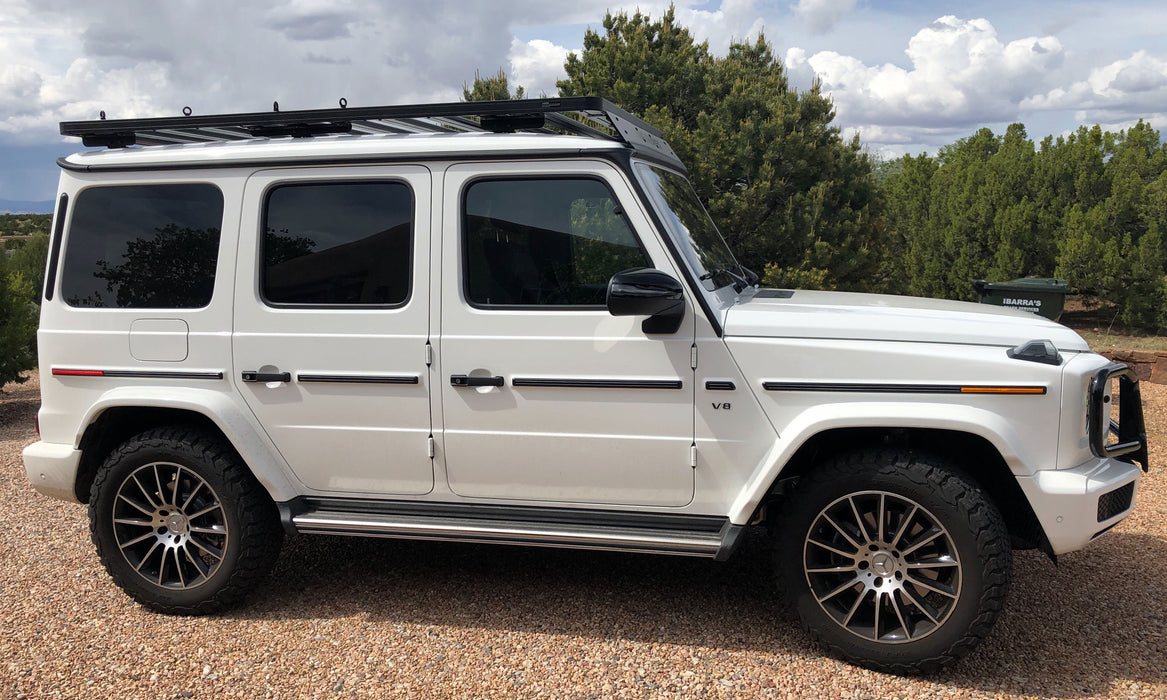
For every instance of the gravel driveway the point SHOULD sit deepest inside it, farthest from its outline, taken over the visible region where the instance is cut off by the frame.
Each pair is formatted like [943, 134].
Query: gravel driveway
[347, 617]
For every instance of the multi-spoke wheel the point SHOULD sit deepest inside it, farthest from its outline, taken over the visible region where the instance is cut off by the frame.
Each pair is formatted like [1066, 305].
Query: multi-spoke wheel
[882, 567]
[170, 525]
[180, 524]
[893, 559]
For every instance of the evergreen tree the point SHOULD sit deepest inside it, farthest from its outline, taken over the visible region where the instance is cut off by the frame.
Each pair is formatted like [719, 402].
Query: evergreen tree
[494, 87]
[790, 196]
[18, 322]
[642, 65]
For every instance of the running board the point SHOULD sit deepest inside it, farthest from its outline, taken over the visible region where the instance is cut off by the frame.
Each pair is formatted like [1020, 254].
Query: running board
[713, 544]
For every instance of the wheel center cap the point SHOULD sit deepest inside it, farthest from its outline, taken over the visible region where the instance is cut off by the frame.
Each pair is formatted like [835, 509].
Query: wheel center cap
[883, 564]
[176, 523]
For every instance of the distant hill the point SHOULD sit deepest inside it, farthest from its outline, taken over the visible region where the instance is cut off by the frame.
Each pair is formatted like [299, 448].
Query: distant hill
[8, 206]
[23, 225]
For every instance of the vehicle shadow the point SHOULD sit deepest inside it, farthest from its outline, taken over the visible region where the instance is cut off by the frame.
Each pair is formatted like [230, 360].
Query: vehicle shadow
[1096, 620]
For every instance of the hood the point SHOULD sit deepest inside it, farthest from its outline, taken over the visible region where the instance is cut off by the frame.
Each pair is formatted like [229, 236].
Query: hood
[851, 316]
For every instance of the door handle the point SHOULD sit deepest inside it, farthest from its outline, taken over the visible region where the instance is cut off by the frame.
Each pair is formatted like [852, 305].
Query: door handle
[466, 380]
[267, 376]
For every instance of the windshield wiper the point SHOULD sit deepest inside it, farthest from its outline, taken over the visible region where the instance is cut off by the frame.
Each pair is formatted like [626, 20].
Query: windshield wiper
[739, 282]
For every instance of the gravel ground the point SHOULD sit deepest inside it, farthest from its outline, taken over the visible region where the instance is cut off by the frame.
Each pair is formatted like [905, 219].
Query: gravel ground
[376, 618]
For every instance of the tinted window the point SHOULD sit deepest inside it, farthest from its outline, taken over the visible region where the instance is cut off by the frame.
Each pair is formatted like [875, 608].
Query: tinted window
[338, 243]
[544, 242]
[143, 247]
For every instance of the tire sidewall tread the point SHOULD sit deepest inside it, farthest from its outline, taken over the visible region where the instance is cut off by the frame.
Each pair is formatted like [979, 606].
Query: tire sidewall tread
[252, 517]
[948, 493]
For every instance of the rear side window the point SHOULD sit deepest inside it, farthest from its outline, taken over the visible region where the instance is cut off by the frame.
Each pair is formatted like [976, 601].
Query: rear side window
[544, 242]
[143, 247]
[346, 244]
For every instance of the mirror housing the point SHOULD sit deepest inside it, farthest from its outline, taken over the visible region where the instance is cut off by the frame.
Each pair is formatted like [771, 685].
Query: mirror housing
[643, 291]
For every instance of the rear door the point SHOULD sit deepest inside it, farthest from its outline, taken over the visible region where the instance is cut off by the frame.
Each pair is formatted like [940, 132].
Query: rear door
[331, 324]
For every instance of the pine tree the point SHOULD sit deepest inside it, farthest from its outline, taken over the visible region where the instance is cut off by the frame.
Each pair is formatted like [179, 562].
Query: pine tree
[18, 322]
[789, 195]
[495, 87]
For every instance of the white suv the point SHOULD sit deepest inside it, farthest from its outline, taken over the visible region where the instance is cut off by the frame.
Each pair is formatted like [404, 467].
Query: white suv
[514, 322]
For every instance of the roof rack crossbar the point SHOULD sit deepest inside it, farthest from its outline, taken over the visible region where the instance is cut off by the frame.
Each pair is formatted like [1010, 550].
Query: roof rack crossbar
[592, 117]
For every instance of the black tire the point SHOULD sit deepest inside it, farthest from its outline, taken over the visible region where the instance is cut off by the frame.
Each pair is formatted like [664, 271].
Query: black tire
[181, 524]
[918, 600]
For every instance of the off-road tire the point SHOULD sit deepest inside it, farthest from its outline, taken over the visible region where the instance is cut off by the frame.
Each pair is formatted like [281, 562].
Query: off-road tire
[975, 533]
[241, 522]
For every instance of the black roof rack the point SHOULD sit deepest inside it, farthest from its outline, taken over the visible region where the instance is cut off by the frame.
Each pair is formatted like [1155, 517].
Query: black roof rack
[584, 116]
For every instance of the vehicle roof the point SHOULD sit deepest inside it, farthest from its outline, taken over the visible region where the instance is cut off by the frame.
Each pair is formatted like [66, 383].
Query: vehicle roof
[347, 148]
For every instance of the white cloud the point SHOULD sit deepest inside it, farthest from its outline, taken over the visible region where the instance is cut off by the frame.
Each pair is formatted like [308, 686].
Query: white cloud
[961, 75]
[821, 16]
[1111, 93]
[536, 65]
[733, 20]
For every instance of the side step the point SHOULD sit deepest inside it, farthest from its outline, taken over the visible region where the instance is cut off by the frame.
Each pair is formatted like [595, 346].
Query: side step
[708, 540]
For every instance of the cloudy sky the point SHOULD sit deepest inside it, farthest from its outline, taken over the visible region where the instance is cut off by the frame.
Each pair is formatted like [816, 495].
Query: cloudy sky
[908, 75]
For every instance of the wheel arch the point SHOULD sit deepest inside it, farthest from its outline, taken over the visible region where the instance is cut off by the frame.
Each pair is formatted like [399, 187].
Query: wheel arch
[979, 443]
[120, 415]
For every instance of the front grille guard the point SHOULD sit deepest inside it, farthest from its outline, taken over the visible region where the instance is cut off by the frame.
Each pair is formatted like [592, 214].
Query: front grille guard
[1131, 434]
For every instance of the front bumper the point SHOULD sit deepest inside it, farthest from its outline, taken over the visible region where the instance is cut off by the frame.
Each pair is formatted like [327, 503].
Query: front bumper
[1074, 506]
[52, 469]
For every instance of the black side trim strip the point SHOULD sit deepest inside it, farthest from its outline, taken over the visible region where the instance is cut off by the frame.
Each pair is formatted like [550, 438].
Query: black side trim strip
[164, 375]
[532, 514]
[598, 383]
[863, 388]
[719, 385]
[357, 379]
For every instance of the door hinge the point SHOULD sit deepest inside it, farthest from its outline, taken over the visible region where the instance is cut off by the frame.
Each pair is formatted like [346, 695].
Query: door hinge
[693, 455]
[429, 354]
[693, 356]
[430, 446]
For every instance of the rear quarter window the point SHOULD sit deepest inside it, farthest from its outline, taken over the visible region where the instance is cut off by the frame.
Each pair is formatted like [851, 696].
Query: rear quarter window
[338, 243]
[143, 247]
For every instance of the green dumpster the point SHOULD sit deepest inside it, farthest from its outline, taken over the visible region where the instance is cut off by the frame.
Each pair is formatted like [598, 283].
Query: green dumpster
[1044, 296]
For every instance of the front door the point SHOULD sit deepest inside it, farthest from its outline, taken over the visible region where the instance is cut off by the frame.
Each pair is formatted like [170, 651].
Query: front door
[545, 395]
[330, 342]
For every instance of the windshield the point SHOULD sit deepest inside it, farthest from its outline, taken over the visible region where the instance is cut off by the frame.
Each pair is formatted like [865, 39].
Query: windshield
[701, 243]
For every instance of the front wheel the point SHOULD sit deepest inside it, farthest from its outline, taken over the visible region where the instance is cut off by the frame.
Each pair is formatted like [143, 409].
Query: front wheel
[893, 559]
[180, 523]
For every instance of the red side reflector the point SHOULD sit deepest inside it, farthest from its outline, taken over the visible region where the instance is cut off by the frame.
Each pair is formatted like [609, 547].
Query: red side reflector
[78, 373]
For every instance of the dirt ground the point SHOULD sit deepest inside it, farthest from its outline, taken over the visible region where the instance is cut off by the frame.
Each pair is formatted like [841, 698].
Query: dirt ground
[381, 618]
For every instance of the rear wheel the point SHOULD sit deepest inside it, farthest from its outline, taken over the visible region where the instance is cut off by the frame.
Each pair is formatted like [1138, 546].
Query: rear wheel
[894, 560]
[180, 524]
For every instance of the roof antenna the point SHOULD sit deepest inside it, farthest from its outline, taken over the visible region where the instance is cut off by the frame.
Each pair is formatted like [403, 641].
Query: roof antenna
[187, 111]
[343, 103]
[103, 115]
[275, 106]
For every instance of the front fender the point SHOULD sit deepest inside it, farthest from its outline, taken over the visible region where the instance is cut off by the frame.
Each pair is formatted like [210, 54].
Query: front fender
[1017, 452]
[237, 424]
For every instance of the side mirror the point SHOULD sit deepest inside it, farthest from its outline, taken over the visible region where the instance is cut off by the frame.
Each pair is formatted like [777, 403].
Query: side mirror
[643, 291]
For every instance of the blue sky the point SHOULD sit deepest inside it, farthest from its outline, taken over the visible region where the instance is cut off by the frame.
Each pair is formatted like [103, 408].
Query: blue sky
[907, 75]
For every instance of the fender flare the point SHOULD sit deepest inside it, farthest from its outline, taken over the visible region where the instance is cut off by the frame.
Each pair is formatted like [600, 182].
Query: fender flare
[259, 453]
[876, 414]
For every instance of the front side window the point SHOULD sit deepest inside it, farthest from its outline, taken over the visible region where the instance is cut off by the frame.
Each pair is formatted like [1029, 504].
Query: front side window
[143, 247]
[544, 242]
[338, 243]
